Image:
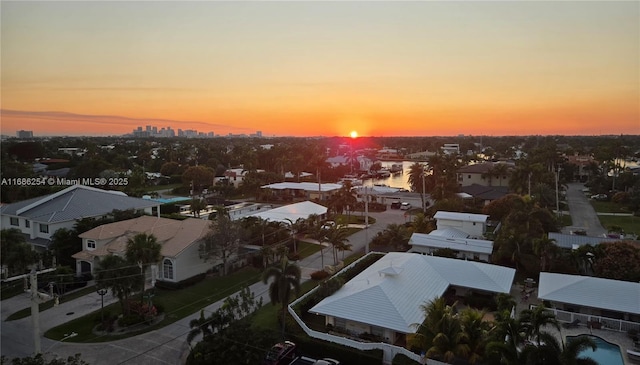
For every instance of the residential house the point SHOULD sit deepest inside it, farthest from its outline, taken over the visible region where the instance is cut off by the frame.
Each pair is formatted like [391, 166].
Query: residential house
[611, 303]
[475, 225]
[39, 218]
[582, 162]
[180, 241]
[387, 195]
[303, 190]
[384, 300]
[485, 174]
[234, 177]
[293, 212]
[574, 241]
[453, 239]
[486, 194]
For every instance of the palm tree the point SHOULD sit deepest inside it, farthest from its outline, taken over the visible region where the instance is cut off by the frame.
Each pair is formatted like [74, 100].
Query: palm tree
[475, 330]
[337, 236]
[120, 276]
[551, 352]
[545, 248]
[199, 326]
[196, 206]
[537, 318]
[421, 224]
[286, 280]
[143, 250]
[416, 176]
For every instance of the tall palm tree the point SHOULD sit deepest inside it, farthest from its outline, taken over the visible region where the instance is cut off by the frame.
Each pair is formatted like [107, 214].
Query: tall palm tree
[286, 281]
[337, 236]
[143, 249]
[545, 248]
[416, 176]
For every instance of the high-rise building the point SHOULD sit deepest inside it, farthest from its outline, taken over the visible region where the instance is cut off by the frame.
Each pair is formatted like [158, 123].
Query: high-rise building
[24, 134]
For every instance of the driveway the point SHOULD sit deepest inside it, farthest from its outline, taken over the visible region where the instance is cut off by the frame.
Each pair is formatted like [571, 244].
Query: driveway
[163, 346]
[583, 215]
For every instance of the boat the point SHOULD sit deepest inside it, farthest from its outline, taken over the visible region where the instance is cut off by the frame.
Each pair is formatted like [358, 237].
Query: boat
[396, 168]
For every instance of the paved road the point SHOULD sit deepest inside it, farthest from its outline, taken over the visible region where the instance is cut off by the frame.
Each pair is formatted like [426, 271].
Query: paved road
[163, 346]
[583, 215]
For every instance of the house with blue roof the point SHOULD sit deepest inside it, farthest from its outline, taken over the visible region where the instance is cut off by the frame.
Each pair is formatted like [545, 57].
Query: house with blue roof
[39, 218]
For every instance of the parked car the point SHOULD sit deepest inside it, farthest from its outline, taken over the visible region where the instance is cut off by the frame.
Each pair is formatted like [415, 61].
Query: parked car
[327, 361]
[405, 206]
[280, 354]
[328, 224]
[395, 205]
[600, 197]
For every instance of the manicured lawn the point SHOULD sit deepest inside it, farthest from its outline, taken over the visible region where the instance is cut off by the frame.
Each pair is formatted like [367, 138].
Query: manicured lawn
[608, 207]
[177, 304]
[629, 224]
[565, 220]
[266, 317]
[306, 249]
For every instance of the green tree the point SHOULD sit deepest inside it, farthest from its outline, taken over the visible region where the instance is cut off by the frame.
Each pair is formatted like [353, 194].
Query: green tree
[199, 176]
[536, 319]
[143, 250]
[197, 205]
[119, 275]
[551, 352]
[546, 250]
[337, 236]
[286, 281]
[64, 243]
[17, 254]
[416, 174]
[222, 242]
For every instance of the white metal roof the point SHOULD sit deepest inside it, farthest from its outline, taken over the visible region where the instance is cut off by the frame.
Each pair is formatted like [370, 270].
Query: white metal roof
[389, 293]
[457, 244]
[465, 217]
[292, 212]
[306, 186]
[614, 295]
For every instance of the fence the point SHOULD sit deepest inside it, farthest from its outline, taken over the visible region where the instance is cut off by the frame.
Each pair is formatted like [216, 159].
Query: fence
[605, 322]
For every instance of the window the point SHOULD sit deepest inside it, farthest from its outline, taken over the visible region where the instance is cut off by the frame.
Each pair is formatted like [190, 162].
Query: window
[167, 269]
[91, 244]
[14, 221]
[44, 228]
[468, 176]
[27, 223]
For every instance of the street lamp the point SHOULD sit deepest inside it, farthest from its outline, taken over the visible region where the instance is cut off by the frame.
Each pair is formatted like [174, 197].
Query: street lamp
[101, 292]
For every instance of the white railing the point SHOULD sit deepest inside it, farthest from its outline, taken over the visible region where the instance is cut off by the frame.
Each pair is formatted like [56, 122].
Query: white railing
[389, 350]
[606, 322]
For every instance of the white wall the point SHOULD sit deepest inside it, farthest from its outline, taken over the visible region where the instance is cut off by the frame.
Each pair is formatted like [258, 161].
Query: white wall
[471, 228]
[188, 263]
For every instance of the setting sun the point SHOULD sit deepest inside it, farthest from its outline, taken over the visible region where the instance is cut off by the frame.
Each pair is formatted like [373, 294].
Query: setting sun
[354, 134]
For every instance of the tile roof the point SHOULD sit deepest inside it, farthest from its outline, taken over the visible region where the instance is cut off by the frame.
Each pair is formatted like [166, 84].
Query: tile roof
[173, 235]
[74, 202]
[389, 293]
[614, 295]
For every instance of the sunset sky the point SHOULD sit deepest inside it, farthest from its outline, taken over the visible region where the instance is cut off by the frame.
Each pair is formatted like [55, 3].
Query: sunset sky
[307, 68]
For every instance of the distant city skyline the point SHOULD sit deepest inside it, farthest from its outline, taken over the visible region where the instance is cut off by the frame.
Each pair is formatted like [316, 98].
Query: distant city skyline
[419, 68]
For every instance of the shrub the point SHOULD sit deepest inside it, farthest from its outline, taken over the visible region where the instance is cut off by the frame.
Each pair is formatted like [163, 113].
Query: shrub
[182, 284]
[319, 275]
[130, 320]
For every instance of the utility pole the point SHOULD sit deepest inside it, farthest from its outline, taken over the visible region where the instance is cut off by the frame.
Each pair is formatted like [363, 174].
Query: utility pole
[35, 311]
[424, 204]
[366, 219]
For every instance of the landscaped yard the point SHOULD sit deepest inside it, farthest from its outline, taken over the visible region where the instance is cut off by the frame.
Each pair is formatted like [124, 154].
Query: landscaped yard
[629, 224]
[177, 304]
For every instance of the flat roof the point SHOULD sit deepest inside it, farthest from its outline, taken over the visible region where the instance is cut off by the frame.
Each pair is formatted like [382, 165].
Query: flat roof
[306, 186]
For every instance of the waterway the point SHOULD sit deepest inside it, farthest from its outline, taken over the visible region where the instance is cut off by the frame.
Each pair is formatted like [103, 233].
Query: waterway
[399, 180]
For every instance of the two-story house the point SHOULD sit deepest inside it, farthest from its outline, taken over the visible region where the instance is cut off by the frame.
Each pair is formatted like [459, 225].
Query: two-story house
[39, 218]
[180, 241]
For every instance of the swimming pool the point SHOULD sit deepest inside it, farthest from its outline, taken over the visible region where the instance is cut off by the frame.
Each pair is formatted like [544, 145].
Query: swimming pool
[606, 353]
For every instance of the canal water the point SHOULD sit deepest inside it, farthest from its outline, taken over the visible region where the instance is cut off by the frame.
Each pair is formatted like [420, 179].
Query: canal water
[398, 180]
